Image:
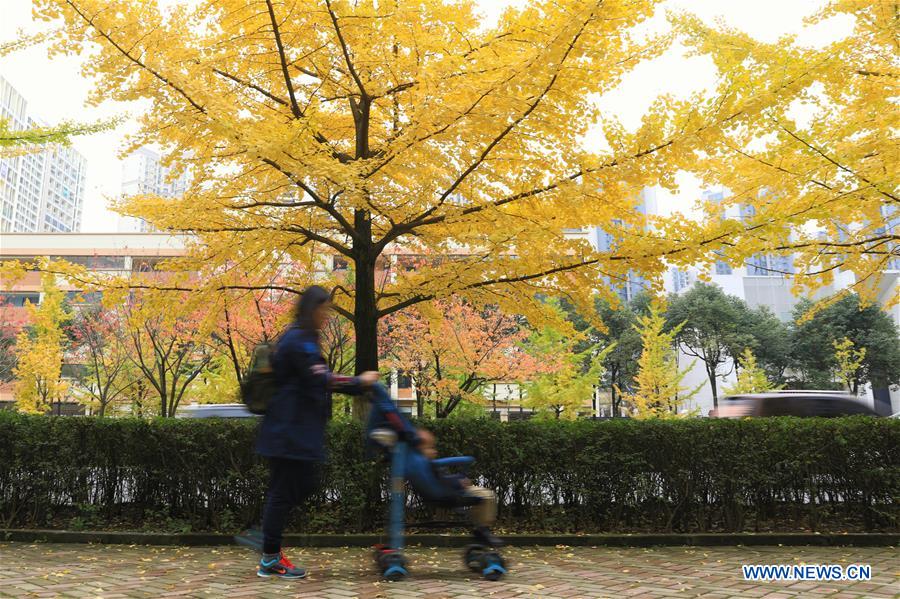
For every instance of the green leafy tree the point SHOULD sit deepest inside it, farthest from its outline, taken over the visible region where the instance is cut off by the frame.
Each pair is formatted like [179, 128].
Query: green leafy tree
[567, 379]
[708, 326]
[767, 337]
[868, 327]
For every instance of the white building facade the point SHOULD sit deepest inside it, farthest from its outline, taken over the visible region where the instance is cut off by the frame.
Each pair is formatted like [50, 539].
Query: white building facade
[40, 192]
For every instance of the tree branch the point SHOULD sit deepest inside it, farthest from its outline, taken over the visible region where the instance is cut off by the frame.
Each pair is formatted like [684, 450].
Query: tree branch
[842, 167]
[295, 108]
[252, 86]
[137, 61]
[345, 50]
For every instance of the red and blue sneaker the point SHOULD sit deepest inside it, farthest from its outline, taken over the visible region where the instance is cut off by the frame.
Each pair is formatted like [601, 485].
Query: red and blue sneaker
[275, 564]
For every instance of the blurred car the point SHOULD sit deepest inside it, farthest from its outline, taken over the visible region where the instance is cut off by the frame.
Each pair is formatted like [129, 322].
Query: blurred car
[216, 410]
[826, 404]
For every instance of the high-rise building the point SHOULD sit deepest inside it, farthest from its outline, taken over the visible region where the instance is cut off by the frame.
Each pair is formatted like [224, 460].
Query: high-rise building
[762, 280]
[890, 215]
[606, 241]
[41, 191]
[144, 173]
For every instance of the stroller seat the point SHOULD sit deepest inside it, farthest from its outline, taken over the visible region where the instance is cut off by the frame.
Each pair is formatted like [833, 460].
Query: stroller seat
[428, 477]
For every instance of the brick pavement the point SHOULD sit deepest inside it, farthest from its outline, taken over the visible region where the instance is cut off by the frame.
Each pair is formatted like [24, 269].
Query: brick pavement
[55, 570]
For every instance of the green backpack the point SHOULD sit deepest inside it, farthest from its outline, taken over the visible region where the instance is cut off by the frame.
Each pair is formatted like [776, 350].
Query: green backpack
[259, 385]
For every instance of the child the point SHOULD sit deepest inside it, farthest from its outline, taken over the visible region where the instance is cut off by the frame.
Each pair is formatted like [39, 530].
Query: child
[484, 513]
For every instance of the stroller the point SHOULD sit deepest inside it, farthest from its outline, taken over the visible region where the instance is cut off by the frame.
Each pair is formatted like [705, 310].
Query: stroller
[390, 433]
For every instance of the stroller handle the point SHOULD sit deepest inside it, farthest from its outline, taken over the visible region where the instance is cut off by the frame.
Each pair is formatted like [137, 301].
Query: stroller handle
[460, 460]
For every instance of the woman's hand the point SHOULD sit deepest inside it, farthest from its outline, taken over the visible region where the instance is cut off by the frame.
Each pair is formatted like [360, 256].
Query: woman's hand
[368, 378]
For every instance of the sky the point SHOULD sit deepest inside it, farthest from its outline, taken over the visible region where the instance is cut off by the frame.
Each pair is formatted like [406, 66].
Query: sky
[56, 90]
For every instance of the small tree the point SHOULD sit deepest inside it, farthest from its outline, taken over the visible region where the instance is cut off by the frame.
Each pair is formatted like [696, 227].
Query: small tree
[452, 349]
[168, 345]
[866, 325]
[103, 356]
[567, 379]
[659, 390]
[849, 362]
[40, 349]
[216, 383]
[619, 364]
[751, 377]
[766, 336]
[12, 321]
[246, 319]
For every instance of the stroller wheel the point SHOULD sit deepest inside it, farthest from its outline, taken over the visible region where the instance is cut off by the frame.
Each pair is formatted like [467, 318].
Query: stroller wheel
[392, 565]
[473, 557]
[493, 566]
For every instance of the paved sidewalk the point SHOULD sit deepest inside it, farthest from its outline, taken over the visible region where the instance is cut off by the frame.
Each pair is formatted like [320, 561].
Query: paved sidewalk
[54, 570]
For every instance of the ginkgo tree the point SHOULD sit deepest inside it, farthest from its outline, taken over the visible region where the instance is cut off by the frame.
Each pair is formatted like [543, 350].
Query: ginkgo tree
[40, 349]
[318, 127]
[751, 378]
[567, 379]
[849, 361]
[15, 141]
[659, 383]
[817, 169]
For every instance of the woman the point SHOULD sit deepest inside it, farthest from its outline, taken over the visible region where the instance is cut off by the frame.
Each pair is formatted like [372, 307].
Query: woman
[292, 435]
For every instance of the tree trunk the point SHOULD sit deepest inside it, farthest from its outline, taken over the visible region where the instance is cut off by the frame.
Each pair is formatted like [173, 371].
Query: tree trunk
[365, 311]
[495, 401]
[712, 385]
[420, 402]
[613, 400]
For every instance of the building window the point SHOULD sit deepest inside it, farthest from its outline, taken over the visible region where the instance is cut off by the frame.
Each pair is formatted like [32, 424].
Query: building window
[722, 268]
[145, 264]
[18, 299]
[758, 266]
[84, 298]
[404, 381]
[340, 263]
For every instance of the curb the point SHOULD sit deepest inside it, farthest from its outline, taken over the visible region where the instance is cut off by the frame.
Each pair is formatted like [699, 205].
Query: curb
[433, 540]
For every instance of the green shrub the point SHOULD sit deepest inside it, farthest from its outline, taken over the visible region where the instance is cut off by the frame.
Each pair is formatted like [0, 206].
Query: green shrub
[583, 476]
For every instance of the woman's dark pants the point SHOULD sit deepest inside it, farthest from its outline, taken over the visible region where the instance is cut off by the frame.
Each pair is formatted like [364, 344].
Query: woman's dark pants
[290, 483]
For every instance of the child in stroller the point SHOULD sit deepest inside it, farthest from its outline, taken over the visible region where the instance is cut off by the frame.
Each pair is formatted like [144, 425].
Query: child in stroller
[442, 482]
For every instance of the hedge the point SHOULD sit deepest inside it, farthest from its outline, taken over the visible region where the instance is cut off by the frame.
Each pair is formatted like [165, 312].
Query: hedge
[701, 475]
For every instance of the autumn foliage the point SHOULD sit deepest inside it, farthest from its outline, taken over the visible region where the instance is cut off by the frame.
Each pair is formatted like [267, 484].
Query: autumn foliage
[352, 128]
[453, 350]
